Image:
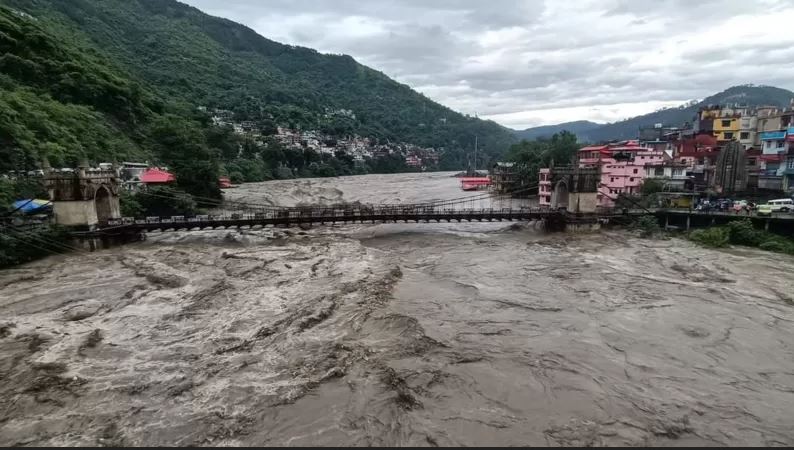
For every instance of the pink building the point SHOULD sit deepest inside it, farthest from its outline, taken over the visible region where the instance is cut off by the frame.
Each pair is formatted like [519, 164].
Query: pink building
[622, 168]
[544, 187]
[413, 161]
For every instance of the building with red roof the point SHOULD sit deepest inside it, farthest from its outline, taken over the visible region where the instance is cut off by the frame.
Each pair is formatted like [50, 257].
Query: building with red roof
[155, 175]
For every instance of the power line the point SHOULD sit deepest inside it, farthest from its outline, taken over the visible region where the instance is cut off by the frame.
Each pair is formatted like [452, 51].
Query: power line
[48, 250]
[42, 240]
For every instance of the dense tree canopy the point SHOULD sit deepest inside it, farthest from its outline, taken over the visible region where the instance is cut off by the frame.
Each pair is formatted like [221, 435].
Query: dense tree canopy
[195, 59]
[531, 156]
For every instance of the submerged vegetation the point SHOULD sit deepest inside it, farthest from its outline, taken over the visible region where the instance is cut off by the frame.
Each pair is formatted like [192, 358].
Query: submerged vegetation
[742, 232]
[648, 226]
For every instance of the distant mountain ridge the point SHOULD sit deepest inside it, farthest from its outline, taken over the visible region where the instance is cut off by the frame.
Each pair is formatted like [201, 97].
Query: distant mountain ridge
[748, 94]
[579, 127]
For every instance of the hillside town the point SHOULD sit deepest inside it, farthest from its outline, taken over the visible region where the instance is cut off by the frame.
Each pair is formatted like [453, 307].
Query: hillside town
[725, 150]
[358, 147]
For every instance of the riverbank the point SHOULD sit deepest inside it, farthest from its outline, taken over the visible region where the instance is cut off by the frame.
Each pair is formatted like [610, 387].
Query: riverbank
[742, 233]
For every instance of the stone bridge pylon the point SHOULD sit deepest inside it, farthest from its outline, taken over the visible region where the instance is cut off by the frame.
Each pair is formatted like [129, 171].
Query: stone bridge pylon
[574, 188]
[83, 197]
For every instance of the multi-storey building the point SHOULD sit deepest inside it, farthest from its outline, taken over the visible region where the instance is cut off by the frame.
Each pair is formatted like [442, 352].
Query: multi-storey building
[621, 166]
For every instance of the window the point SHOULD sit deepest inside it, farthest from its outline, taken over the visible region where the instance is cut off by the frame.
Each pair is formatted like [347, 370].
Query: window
[612, 179]
[631, 179]
[726, 123]
[751, 162]
[790, 163]
[642, 157]
[658, 172]
[779, 144]
[635, 170]
[728, 135]
[744, 135]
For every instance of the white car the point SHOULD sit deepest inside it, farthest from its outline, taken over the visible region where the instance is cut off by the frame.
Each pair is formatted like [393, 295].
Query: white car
[782, 205]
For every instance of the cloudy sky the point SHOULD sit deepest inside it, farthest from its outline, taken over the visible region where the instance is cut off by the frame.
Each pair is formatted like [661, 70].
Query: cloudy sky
[533, 62]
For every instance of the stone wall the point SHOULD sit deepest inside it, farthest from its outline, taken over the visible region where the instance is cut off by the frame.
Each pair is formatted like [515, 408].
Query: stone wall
[75, 213]
[582, 202]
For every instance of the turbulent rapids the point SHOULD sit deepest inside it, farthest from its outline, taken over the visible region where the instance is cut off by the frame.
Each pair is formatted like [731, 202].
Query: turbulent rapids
[394, 334]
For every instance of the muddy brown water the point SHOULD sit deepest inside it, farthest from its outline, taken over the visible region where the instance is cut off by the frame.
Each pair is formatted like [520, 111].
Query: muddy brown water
[434, 334]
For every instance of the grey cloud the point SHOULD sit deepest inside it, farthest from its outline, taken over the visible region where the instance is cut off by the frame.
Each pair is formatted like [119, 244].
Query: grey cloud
[524, 57]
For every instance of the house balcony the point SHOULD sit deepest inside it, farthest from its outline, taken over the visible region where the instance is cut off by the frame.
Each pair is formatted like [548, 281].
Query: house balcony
[773, 135]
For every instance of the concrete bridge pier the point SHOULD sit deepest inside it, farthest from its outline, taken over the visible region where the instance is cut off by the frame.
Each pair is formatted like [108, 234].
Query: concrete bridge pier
[582, 227]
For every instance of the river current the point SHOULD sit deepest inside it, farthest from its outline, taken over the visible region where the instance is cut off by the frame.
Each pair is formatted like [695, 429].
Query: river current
[397, 334]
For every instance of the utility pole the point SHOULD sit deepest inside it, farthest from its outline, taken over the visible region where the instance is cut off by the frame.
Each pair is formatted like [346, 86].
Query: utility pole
[476, 142]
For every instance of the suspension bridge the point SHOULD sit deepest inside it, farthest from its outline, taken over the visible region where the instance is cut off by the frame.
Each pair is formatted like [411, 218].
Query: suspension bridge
[484, 207]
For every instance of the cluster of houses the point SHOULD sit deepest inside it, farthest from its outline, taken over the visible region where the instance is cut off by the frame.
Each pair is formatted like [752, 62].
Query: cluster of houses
[359, 148]
[726, 150]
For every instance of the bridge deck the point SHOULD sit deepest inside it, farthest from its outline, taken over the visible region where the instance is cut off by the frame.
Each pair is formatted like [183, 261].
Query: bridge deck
[287, 218]
[299, 216]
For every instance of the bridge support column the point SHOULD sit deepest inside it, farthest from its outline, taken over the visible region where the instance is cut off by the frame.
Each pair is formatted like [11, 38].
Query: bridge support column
[713, 221]
[766, 225]
[688, 219]
[666, 221]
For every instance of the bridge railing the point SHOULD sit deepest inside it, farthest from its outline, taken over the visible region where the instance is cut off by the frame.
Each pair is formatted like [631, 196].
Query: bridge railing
[331, 214]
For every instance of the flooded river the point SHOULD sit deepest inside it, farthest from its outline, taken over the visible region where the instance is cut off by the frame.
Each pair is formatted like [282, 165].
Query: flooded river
[401, 334]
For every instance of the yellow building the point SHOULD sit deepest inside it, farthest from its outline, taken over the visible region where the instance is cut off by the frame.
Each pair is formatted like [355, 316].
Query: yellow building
[724, 123]
[727, 128]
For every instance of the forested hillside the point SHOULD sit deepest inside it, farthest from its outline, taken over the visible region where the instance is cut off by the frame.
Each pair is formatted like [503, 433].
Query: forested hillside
[197, 59]
[63, 101]
[66, 102]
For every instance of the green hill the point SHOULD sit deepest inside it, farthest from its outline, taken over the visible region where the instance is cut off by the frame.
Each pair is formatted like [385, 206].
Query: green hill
[60, 101]
[196, 59]
[744, 95]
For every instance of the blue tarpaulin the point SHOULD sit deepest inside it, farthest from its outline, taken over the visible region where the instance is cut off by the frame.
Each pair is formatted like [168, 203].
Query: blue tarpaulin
[31, 205]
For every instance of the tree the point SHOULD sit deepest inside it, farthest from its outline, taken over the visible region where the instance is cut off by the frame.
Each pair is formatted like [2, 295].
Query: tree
[163, 201]
[224, 140]
[180, 144]
[531, 156]
[651, 186]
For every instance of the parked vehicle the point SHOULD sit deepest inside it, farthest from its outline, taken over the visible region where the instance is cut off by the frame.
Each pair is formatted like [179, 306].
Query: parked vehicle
[782, 205]
[765, 210]
[704, 206]
[724, 204]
